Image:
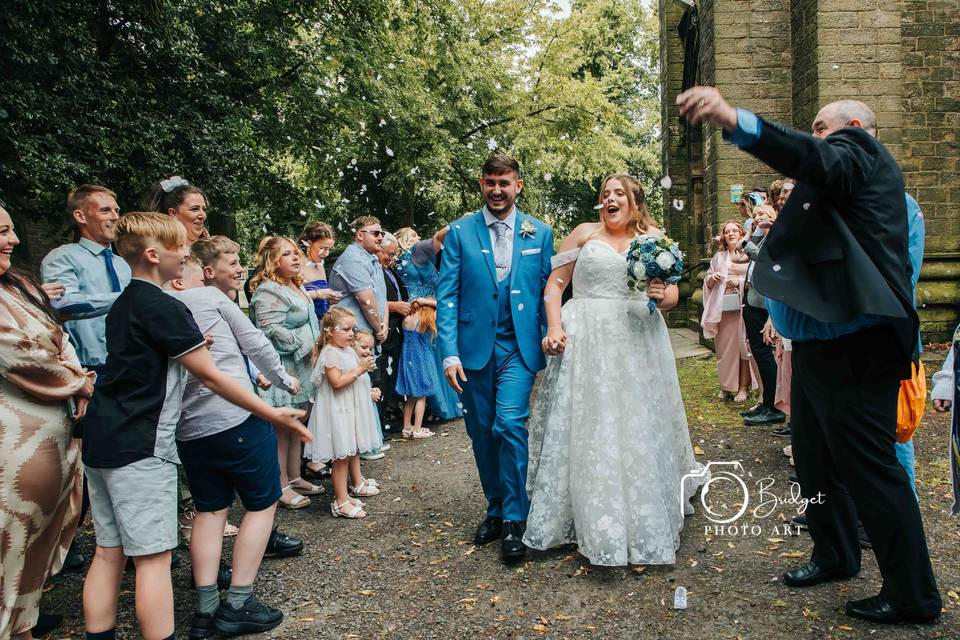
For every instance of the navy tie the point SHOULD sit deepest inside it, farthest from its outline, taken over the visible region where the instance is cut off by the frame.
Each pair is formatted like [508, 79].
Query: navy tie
[111, 271]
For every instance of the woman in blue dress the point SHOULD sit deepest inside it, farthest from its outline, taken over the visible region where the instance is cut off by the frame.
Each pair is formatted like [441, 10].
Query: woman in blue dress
[316, 241]
[417, 268]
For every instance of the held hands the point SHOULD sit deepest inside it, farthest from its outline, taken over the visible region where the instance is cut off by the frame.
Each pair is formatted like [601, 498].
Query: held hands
[290, 418]
[706, 105]
[768, 333]
[455, 375]
[554, 342]
[942, 406]
[54, 290]
[376, 394]
[262, 382]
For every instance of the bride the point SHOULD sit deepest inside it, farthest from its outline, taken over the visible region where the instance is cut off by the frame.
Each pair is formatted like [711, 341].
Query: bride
[609, 445]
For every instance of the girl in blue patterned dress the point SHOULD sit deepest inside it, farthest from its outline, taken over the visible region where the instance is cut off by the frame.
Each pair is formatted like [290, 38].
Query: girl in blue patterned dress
[417, 371]
[417, 270]
[316, 241]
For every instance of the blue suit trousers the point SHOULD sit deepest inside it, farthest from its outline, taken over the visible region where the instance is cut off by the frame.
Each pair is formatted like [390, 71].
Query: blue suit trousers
[496, 402]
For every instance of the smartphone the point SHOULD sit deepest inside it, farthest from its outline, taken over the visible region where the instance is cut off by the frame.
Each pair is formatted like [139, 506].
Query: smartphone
[72, 408]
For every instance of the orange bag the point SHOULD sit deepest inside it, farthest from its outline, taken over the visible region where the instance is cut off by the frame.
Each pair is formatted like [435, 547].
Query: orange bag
[911, 405]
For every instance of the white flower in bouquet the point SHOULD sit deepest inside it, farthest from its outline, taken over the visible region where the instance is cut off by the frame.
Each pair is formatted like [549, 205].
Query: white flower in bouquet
[666, 260]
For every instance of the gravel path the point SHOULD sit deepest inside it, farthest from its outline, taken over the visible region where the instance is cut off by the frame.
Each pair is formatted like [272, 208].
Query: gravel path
[409, 570]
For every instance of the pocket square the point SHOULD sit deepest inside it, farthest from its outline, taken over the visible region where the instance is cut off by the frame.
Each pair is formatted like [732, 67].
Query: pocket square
[529, 252]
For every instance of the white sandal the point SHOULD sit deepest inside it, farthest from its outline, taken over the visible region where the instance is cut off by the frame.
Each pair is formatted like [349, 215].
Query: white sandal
[314, 490]
[300, 502]
[422, 432]
[347, 510]
[365, 489]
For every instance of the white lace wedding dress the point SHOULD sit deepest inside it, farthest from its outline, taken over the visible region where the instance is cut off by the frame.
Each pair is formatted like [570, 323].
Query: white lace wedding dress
[609, 445]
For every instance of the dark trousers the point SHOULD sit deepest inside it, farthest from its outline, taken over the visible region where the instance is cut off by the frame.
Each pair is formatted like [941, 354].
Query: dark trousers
[844, 419]
[388, 365]
[753, 320]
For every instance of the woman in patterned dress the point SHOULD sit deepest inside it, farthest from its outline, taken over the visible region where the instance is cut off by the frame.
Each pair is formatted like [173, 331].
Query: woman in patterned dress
[40, 475]
[282, 310]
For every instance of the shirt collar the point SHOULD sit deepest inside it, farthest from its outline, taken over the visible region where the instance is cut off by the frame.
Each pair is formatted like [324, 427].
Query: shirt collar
[510, 220]
[93, 247]
[364, 252]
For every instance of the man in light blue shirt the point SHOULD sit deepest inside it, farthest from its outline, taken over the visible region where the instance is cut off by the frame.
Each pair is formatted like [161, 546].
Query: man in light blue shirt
[90, 273]
[359, 275]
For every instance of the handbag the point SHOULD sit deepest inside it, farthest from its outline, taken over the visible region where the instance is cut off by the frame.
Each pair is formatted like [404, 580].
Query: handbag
[910, 404]
[731, 302]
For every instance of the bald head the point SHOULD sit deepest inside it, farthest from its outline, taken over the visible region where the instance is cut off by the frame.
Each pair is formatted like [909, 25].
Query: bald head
[844, 113]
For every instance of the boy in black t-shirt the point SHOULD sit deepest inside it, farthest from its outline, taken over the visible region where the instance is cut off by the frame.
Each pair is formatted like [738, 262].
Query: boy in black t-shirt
[129, 449]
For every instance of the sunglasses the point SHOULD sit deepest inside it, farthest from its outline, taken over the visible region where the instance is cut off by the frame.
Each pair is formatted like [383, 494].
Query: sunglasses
[377, 234]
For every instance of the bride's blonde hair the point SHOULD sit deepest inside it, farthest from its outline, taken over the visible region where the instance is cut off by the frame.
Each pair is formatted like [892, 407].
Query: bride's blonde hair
[641, 221]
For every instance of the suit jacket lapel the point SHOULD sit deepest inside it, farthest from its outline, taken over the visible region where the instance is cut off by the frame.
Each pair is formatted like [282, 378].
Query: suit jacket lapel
[517, 247]
[483, 235]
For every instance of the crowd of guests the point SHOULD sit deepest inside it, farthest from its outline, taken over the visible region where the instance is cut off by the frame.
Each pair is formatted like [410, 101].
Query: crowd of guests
[133, 353]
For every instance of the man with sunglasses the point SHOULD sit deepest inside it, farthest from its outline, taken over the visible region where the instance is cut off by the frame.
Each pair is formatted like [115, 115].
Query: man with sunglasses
[358, 273]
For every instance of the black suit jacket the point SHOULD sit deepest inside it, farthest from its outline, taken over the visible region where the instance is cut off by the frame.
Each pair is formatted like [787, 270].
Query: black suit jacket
[394, 321]
[838, 249]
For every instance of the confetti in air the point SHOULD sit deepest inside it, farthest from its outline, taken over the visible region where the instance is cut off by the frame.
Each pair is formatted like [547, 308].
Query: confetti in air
[678, 204]
[666, 182]
[598, 207]
[389, 152]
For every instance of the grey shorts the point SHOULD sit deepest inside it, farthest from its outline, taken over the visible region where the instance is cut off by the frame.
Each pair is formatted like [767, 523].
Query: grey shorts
[135, 506]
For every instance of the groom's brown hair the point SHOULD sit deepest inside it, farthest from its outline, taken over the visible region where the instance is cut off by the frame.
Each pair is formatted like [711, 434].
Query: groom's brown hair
[500, 163]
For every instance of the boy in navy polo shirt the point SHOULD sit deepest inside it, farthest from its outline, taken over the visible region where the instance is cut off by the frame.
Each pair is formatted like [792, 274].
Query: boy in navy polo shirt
[129, 450]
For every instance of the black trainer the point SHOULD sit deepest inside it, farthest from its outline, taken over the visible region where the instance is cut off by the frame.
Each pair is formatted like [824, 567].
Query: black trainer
[282, 545]
[765, 416]
[202, 626]
[752, 410]
[252, 617]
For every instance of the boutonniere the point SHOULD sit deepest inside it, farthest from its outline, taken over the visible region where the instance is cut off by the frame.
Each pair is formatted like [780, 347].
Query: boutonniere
[527, 229]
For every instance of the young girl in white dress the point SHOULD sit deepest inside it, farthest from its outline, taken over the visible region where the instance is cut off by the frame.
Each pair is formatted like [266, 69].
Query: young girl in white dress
[342, 421]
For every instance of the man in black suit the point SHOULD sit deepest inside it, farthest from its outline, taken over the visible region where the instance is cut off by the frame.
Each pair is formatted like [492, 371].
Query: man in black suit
[836, 272]
[398, 307]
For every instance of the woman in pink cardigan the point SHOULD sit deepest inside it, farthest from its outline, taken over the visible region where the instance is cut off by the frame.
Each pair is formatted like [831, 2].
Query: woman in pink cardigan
[722, 299]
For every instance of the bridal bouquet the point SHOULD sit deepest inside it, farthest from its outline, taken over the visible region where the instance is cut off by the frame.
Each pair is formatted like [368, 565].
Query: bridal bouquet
[650, 257]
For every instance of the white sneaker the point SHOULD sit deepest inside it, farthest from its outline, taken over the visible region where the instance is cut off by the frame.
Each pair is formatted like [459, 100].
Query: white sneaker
[385, 447]
[371, 455]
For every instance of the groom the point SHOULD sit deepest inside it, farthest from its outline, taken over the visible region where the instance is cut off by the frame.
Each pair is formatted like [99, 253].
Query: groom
[490, 320]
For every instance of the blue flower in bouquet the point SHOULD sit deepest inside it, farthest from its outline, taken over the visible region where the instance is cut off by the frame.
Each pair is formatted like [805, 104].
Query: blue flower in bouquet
[651, 257]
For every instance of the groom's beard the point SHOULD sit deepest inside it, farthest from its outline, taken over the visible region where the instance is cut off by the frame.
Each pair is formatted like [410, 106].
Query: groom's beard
[501, 209]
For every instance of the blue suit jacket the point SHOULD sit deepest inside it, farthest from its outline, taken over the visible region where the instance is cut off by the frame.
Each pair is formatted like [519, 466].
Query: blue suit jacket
[467, 304]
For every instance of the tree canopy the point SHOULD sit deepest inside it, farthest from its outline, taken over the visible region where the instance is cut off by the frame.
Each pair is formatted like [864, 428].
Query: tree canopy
[285, 111]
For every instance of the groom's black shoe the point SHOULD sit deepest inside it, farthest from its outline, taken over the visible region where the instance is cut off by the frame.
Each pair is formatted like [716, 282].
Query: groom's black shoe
[488, 531]
[512, 548]
[876, 609]
[810, 574]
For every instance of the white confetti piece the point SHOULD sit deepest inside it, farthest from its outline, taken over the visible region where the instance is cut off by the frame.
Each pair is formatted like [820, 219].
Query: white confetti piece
[520, 307]
[491, 144]
[598, 206]
[515, 291]
[678, 204]
[450, 304]
[666, 182]
[547, 177]
[776, 267]
[484, 250]
[389, 152]
[383, 122]
[806, 206]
